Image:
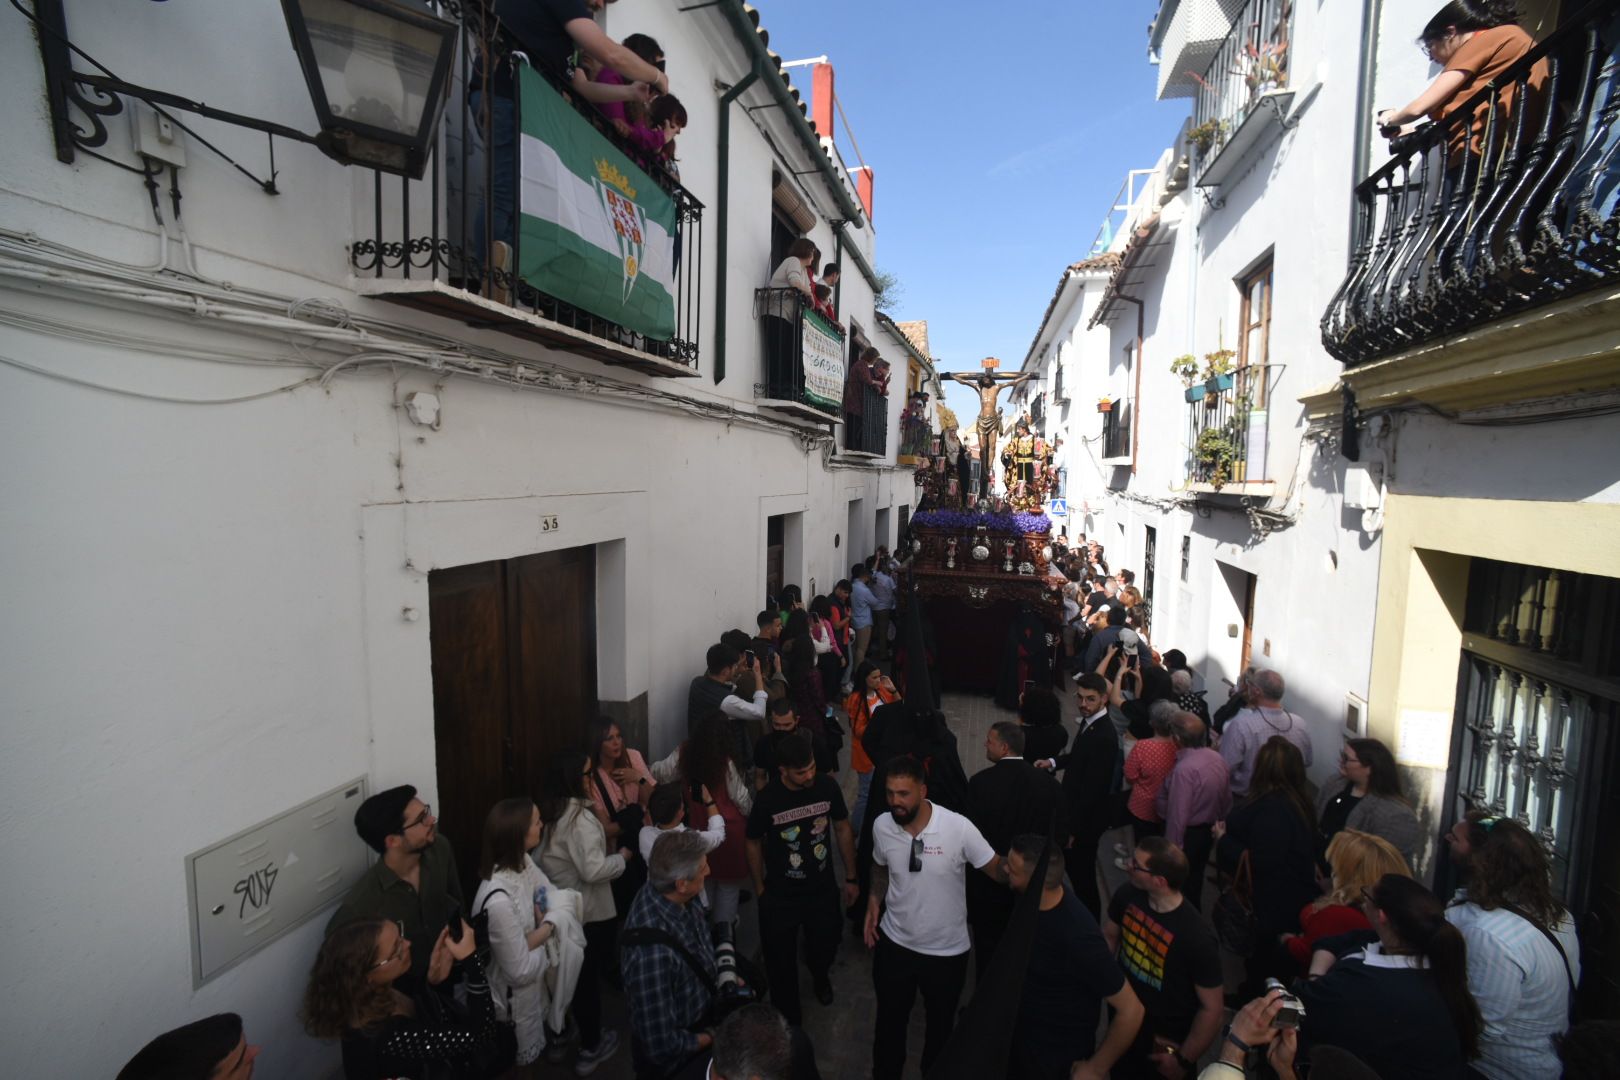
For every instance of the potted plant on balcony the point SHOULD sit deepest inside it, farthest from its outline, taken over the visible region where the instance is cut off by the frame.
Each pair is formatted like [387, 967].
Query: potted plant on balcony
[1215, 454]
[1263, 67]
[1185, 368]
[1218, 370]
[1207, 134]
[1105, 404]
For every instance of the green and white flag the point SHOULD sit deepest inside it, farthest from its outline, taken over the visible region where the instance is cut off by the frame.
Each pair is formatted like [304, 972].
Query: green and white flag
[594, 229]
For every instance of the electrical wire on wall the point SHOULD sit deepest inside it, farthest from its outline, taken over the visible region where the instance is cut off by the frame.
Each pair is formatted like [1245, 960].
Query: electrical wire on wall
[322, 335]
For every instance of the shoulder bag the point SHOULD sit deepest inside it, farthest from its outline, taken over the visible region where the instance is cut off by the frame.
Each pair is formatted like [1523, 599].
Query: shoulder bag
[1233, 914]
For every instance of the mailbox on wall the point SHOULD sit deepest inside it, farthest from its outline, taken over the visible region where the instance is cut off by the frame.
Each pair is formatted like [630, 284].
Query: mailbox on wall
[249, 890]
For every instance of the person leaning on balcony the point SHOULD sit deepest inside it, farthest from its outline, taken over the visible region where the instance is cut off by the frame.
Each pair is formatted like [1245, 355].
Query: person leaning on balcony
[548, 32]
[625, 111]
[781, 330]
[1476, 40]
[861, 376]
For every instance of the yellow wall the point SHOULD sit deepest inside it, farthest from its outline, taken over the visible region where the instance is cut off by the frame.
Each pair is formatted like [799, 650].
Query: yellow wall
[1423, 579]
[1422, 587]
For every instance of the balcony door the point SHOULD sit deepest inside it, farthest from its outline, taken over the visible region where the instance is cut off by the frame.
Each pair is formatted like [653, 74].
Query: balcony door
[514, 681]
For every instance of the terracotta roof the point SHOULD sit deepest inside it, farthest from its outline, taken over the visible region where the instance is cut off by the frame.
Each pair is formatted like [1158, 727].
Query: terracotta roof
[1107, 261]
[916, 332]
[1133, 250]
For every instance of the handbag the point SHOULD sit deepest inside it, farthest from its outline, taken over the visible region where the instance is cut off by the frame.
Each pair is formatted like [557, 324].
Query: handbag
[492, 1058]
[1233, 914]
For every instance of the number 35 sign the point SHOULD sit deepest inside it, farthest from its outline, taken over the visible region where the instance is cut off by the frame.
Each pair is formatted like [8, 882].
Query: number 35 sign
[549, 523]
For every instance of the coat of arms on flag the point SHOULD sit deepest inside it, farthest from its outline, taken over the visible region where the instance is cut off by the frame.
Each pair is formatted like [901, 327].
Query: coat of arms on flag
[629, 220]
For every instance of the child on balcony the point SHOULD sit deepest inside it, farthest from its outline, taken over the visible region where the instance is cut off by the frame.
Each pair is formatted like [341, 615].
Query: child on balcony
[625, 115]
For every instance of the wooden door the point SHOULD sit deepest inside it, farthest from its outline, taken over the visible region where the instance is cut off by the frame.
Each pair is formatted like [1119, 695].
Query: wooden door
[514, 680]
[1248, 621]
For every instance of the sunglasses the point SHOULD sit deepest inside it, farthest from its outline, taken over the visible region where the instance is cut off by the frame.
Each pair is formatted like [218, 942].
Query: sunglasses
[916, 855]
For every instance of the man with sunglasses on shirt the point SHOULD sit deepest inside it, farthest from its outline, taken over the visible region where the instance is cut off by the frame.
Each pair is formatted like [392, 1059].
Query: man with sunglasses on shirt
[414, 883]
[916, 914]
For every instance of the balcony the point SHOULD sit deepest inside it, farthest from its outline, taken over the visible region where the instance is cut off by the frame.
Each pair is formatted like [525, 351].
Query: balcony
[1116, 445]
[868, 433]
[1243, 91]
[1184, 35]
[1463, 229]
[602, 252]
[1228, 428]
[804, 358]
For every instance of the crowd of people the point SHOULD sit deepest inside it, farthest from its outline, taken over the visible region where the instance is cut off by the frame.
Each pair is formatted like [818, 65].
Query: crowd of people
[628, 876]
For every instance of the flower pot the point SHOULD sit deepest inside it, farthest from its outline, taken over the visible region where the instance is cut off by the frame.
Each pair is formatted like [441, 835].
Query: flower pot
[1105, 406]
[1221, 382]
[1194, 392]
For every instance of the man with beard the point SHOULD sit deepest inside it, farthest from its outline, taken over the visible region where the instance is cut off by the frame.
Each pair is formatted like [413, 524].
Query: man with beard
[414, 883]
[920, 856]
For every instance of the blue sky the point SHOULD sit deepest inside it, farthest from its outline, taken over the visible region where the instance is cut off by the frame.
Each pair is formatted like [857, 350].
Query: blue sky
[999, 134]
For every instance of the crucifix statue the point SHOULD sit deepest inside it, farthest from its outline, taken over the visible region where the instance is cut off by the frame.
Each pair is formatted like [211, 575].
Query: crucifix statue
[989, 385]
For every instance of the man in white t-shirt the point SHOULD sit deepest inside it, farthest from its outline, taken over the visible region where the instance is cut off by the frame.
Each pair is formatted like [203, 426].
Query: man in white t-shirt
[920, 856]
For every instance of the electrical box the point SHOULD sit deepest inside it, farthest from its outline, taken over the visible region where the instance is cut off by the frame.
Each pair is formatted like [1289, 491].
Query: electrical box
[1364, 485]
[153, 135]
[249, 890]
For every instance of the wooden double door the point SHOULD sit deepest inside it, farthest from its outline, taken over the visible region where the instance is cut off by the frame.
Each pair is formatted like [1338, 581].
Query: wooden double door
[514, 681]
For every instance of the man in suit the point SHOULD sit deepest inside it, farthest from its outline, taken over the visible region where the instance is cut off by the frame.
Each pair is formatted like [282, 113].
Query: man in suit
[1089, 771]
[1007, 800]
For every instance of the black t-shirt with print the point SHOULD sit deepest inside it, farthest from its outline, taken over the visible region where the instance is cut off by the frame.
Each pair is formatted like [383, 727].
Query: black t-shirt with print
[796, 835]
[1167, 956]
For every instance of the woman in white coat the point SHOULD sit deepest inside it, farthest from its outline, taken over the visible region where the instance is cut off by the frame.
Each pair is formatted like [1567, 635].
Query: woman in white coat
[517, 896]
[574, 855]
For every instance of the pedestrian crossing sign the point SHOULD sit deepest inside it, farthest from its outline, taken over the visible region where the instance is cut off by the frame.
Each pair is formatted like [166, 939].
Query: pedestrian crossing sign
[1057, 508]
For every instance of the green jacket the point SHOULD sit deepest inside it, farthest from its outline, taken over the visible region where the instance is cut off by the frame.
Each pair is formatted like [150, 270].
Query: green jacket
[382, 894]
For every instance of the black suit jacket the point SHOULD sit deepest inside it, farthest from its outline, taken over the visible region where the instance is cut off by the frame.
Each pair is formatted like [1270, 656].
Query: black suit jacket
[1013, 797]
[1089, 769]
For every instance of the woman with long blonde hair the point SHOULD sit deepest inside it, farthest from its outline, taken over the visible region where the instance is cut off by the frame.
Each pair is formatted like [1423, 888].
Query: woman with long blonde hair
[1358, 860]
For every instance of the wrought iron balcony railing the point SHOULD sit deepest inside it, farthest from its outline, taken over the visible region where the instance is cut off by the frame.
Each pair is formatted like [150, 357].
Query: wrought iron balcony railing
[804, 357]
[1508, 203]
[868, 433]
[1228, 427]
[1251, 62]
[613, 269]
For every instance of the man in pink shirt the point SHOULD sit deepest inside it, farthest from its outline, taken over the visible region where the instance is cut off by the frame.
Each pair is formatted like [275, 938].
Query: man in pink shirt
[1195, 795]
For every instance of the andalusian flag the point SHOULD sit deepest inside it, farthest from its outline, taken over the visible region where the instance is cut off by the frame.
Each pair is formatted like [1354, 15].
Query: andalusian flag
[595, 230]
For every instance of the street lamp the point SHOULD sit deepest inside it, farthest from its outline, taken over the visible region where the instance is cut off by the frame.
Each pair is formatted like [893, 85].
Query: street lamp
[377, 71]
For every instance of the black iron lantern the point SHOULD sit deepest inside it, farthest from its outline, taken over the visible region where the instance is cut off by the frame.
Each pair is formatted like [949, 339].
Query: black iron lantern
[377, 71]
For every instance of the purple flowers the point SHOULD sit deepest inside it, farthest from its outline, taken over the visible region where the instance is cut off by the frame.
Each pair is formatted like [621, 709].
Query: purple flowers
[960, 521]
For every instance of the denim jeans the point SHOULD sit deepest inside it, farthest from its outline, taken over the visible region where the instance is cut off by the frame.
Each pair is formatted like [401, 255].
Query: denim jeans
[501, 156]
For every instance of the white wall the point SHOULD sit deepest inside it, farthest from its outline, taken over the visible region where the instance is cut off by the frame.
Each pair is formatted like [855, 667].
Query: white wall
[206, 611]
[1316, 576]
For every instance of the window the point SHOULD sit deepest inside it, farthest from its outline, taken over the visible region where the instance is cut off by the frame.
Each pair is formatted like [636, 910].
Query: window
[1254, 330]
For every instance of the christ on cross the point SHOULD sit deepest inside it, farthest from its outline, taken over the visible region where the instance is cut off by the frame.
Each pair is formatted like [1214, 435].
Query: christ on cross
[989, 385]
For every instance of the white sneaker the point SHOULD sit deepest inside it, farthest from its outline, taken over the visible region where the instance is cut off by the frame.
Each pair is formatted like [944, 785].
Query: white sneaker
[588, 1060]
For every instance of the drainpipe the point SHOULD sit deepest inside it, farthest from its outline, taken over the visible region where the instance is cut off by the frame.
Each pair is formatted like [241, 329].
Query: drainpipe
[1136, 398]
[747, 34]
[1372, 14]
[723, 226]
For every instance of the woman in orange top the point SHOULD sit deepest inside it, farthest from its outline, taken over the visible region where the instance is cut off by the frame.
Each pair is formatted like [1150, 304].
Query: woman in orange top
[872, 689]
[1476, 40]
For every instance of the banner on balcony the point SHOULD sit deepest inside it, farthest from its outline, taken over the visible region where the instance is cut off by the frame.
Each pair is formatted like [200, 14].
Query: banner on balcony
[822, 347]
[595, 231]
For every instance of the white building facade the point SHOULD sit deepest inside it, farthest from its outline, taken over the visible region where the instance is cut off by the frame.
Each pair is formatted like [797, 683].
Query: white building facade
[1369, 436]
[283, 526]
